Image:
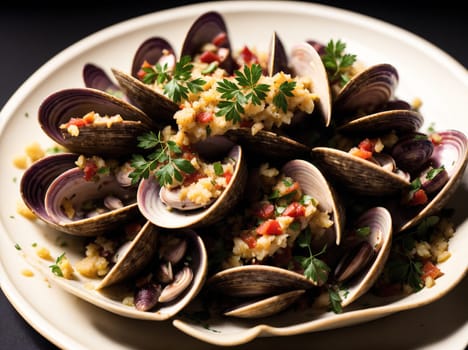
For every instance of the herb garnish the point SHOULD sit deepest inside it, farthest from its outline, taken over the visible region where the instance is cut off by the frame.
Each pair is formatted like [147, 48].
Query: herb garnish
[285, 89]
[55, 268]
[168, 167]
[334, 300]
[314, 269]
[337, 62]
[363, 231]
[178, 83]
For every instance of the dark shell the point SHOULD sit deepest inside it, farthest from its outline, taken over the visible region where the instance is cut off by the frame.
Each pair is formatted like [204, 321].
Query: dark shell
[359, 175]
[367, 92]
[278, 58]
[268, 144]
[412, 152]
[118, 140]
[400, 120]
[151, 50]
[203, 31]
[95, 77]
[157, 106]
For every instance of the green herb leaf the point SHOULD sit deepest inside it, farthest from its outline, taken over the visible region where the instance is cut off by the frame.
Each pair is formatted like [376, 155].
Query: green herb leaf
[337, 62]
[363, 231]
[17, 246]
[55, 268]
[285, 89]
[334, 301]
[431, 174]
[218, 169]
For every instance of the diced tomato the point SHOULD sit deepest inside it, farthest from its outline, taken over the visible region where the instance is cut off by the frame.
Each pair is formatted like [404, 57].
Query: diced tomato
[90, 170]
[219, 39]
[294, 210]
[89, 118]
[430, 270]
[208, 57]
[79, 122]
[204, 117]
[265, 211]
[269, 227]
[419, 198]
[141, 73]
[367, 145]
[228, 176]
[436, 139]
[361, 153]
[187, 153]
[250, 241]
[290, 189]
[247, 56]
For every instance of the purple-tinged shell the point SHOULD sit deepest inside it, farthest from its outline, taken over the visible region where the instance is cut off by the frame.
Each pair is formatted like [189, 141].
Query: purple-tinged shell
[117, 140]
[152, 207]
[412, 152]
[358, 175]
[95, 77]
[305, 61]
[152, 50]
[366, 92]
[203, 31]
[278, 59]
[71, 187]
[452, 154]
[379, 220]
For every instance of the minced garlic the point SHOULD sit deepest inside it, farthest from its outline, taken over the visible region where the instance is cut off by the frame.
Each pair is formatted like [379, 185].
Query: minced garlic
[24, 211]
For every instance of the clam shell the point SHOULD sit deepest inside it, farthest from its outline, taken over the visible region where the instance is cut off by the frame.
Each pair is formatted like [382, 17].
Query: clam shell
[380, 222]
[359, 175]
[154, 209]
[160, 108]
[368, 91]
[117, 140]
[203, 30]
[265, 307]
[305, 61]
[151, 51]
[138, 254]
[277, 57]
[313, 183]
[95, 77]
[452, 153]
[256, 280]
[71, 185]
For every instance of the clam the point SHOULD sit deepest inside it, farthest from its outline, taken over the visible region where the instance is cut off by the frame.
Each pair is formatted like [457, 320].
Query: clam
[133, 256]
[95, 77]
[305, 61]
[55, 190]
[105, 138]
[151, 200]
[366, 92]
[210, 29]
[363, 262]
[153, 50]
[359, 175]
[277, 57]
[451, 152]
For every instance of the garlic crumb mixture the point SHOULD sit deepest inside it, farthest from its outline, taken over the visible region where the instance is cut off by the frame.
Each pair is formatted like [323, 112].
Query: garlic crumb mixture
[72, 127]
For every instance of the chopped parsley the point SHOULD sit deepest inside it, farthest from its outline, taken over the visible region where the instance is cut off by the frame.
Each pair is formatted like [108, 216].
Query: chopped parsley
[55, 268]
[337, 62]
[314, 268]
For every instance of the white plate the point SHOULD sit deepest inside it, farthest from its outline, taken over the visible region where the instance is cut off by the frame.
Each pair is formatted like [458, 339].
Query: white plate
[425, 72]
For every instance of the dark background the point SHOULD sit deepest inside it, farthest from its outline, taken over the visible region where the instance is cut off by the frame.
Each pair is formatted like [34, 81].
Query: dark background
[28, 39]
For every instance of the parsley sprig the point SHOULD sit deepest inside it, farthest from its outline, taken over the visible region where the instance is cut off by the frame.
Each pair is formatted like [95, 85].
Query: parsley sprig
[55, 268]
[337, 63]
[285, 89]
[163, 161]
[178, 83]
[237, 94]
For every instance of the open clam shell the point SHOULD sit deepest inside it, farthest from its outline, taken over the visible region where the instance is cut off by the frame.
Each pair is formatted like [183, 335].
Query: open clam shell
[277, 57]
[136, 255]
[366, 92]
[452, 153]
[71, 188]
[305, 61]
[203, 30]
[357, 174]
[315, 184]
[116, 139]
[95, 77]
[153, 208]
[379, 221]
[152, 51]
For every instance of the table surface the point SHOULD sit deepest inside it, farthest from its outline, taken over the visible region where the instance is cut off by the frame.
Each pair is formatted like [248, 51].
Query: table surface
[24, 50]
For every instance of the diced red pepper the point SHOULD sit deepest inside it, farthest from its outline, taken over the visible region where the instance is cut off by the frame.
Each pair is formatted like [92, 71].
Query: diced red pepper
[250, 241]
[361, 153]
[367, 145]
[204, 117]
[247, 56]
[228, 176]
[79, 122]
[141, 73]
[436, 139]
[430, 270]
[209, 56]
[419, 198]
[290, 189]
[294, 210]
[269, 227]
[265, 211]
[219, 39]
[90, 170]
